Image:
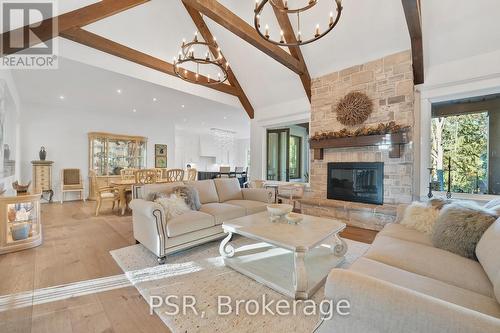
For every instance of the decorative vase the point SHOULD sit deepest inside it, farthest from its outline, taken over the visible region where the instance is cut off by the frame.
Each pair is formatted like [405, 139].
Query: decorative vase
[6, 152]
[42, 154]
[20, 231]
[11, 214]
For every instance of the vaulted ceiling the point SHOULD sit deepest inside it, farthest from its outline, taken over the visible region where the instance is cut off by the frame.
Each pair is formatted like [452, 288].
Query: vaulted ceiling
[367, 30]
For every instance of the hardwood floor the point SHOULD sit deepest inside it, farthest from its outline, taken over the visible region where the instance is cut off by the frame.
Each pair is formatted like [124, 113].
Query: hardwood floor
[76, 248]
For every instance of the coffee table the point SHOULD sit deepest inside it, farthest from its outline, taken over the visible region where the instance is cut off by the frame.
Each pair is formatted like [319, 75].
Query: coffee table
[292, 259]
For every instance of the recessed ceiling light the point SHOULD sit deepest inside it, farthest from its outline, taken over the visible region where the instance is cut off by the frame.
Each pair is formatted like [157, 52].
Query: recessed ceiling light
[184, 119]
[154, 99]
[61, 97]
[118, 91]
[134, 110]
[183, 106]
[225, 117]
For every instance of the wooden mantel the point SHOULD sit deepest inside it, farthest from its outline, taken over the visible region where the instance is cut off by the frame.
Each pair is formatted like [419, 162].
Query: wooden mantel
[395, 141]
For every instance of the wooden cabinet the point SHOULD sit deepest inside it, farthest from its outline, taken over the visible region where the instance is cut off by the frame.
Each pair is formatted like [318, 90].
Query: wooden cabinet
[42, 177]
[20, 224]
[110, 153]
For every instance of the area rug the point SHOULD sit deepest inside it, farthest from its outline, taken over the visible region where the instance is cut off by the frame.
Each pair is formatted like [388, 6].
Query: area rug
[200, 274]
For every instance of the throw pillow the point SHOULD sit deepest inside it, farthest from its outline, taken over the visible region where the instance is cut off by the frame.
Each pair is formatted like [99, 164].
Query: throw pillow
[190, 196]
[460, 226]
[152, 196]
[173, 206]
[439, 203]
[420, 216]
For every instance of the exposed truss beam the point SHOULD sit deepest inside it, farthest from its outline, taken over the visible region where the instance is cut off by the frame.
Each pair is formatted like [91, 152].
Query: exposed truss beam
[223, 16]
[108, 46]
[209, 38]
[414, 22]
[50, 28]
[288, 33]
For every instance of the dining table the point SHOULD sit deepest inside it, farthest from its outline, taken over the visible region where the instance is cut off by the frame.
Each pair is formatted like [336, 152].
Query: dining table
[124, 185]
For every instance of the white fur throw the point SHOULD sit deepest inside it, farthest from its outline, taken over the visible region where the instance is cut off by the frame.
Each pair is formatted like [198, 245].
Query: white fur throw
[460, 226]
[420, 216]
[173, 206]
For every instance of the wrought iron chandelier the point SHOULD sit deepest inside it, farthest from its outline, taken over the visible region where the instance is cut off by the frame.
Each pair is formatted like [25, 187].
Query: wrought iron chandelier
[282, 6]
[199, 66]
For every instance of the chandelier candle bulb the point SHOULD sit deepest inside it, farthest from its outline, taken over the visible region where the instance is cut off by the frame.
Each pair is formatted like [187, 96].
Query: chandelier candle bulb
[208, 78]
[196, 36]
[310, 6]
[282, 38]
[218, 76]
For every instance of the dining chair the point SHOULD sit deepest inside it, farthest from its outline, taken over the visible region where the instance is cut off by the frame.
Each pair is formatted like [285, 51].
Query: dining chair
[192, 174]
[224, 171]
[128, 173]
[146, 176]
[72, 181]
[292, 193]
[103, 193]
[175, 175]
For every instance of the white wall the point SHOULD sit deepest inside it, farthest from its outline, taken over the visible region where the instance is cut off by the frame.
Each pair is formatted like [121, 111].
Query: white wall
[11, 129]
[63, 132]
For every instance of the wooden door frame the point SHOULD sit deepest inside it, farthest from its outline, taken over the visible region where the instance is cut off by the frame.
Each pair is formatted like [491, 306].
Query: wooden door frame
[287, 170]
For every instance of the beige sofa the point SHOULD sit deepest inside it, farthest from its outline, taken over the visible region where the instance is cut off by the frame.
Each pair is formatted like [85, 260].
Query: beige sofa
[221, 199]
[404, 284]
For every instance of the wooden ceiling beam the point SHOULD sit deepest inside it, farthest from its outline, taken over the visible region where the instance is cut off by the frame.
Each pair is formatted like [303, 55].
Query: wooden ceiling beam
[224, 17]
[288, 33]
[108, 46]
[414, 22]
[45, 29]
[209, 38]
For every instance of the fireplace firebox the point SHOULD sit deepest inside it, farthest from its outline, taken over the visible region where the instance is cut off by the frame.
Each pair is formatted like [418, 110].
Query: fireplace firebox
[356, 181]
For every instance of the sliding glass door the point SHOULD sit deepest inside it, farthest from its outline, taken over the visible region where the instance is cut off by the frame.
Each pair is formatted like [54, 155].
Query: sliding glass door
[278, 154]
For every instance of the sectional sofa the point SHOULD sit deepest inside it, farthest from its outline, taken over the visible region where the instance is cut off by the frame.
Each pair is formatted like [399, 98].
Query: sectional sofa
[404, 284]
[221, 199]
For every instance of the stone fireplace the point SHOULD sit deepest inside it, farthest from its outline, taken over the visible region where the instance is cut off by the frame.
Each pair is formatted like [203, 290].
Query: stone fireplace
[389, 84]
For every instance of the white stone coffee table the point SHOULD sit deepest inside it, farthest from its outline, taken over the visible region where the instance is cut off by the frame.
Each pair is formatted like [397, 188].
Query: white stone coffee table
[291, 259]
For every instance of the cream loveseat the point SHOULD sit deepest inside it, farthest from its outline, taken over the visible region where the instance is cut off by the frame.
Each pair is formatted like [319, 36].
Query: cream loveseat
[404, 284]
[221, 199]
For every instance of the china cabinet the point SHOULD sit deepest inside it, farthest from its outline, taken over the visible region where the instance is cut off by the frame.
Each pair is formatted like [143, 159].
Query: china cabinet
[110, 153]
[20, 224]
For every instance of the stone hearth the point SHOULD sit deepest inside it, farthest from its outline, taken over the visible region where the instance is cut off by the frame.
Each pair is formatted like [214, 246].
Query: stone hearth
[389, 83]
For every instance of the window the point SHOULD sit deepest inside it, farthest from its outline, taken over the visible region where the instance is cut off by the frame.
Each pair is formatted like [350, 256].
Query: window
[466, 139]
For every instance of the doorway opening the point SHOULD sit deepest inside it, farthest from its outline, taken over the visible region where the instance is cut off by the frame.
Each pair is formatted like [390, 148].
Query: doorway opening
[288, 153]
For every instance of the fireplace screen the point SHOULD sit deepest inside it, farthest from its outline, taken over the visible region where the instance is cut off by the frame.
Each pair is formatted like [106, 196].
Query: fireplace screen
[358, 182]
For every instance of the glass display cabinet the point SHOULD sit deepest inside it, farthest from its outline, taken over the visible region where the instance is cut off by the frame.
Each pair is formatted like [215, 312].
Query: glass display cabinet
[110, 153]
[20, 224]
